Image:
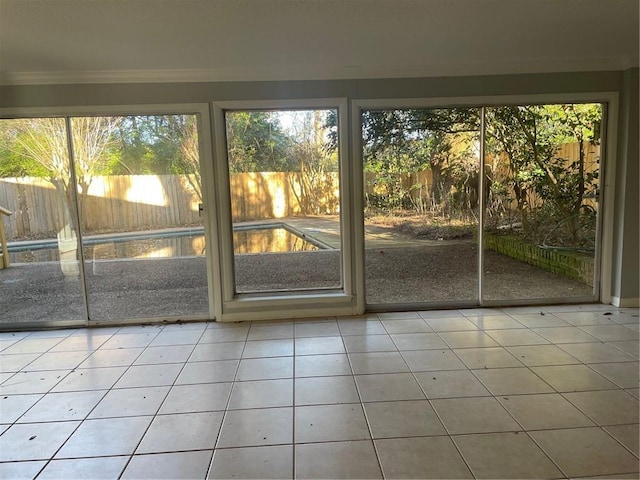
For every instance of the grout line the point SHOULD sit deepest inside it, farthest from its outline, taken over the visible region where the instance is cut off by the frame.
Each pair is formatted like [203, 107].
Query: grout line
[228, 402]
[348, 355]
[364, 411]
[430, 403]
[635, 454]
[294, 405]
[94, 407]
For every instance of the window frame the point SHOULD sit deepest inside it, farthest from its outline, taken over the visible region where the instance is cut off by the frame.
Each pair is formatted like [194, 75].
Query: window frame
[603, 260]
[291, 304]
[351, 300]
[202, 113]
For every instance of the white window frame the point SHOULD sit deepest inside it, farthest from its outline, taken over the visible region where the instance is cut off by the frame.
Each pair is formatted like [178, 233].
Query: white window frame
[293, 304]
[202, 112]
[604, 241]
[351, 300]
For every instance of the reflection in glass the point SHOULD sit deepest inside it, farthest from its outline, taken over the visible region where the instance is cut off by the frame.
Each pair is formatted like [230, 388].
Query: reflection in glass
[270, 240]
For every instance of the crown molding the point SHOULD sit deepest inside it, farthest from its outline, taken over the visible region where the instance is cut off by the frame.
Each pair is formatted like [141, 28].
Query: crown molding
[313, 72]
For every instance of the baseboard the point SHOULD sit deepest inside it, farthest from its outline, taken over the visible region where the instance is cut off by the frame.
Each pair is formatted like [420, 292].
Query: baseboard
[625, 302]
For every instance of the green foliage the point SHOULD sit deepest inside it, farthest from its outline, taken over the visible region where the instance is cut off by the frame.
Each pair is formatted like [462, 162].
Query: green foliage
[256, 142]
[526, 172]
[16, 164]
[145, 145]
[526, 165]
[310, 136]
[16, 142]
[530, 137]
[397, 144]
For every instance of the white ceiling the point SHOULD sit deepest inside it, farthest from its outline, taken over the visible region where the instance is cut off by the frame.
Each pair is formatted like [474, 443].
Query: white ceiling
[69, 41]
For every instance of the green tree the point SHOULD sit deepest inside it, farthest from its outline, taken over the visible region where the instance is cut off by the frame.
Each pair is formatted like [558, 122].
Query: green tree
[530, 138]
[399, 143]
[256, 142]
[187, 161]
[146, 145]
[315, 164]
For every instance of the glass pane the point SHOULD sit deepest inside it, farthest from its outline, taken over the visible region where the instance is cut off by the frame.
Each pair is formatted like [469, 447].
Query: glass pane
[42, 282]
[285, 199]
[540, 235]
[143, 239]
[421, 170]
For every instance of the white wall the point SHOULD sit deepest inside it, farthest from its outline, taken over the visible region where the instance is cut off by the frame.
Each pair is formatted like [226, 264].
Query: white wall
[626, 267]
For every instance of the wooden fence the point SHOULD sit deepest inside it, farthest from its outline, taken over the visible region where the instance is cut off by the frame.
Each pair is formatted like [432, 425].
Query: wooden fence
[259, 195]
[136, 202]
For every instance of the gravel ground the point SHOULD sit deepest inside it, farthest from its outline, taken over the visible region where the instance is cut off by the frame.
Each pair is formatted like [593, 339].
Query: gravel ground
[178, 286]
[448, 273]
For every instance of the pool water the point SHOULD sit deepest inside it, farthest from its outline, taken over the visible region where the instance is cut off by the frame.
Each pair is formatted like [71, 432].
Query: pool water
[269, 240]
[255, 240]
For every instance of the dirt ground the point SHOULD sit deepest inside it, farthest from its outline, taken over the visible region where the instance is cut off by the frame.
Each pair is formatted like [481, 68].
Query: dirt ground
[401, 266]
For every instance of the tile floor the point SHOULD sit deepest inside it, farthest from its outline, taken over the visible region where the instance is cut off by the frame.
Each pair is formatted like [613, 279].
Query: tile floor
[536, 392]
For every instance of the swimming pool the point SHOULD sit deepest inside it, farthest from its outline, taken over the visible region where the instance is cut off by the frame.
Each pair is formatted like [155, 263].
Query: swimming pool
[266, 238]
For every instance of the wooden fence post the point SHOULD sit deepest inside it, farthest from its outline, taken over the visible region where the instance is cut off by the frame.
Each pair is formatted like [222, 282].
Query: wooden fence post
[4, 251]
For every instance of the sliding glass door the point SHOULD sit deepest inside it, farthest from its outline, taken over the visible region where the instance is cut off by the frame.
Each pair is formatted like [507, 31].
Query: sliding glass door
[418, 206]
[421, 205]
[480, 206]
[543, 202]
[105, 219]
[40, 280]
[139, 192]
